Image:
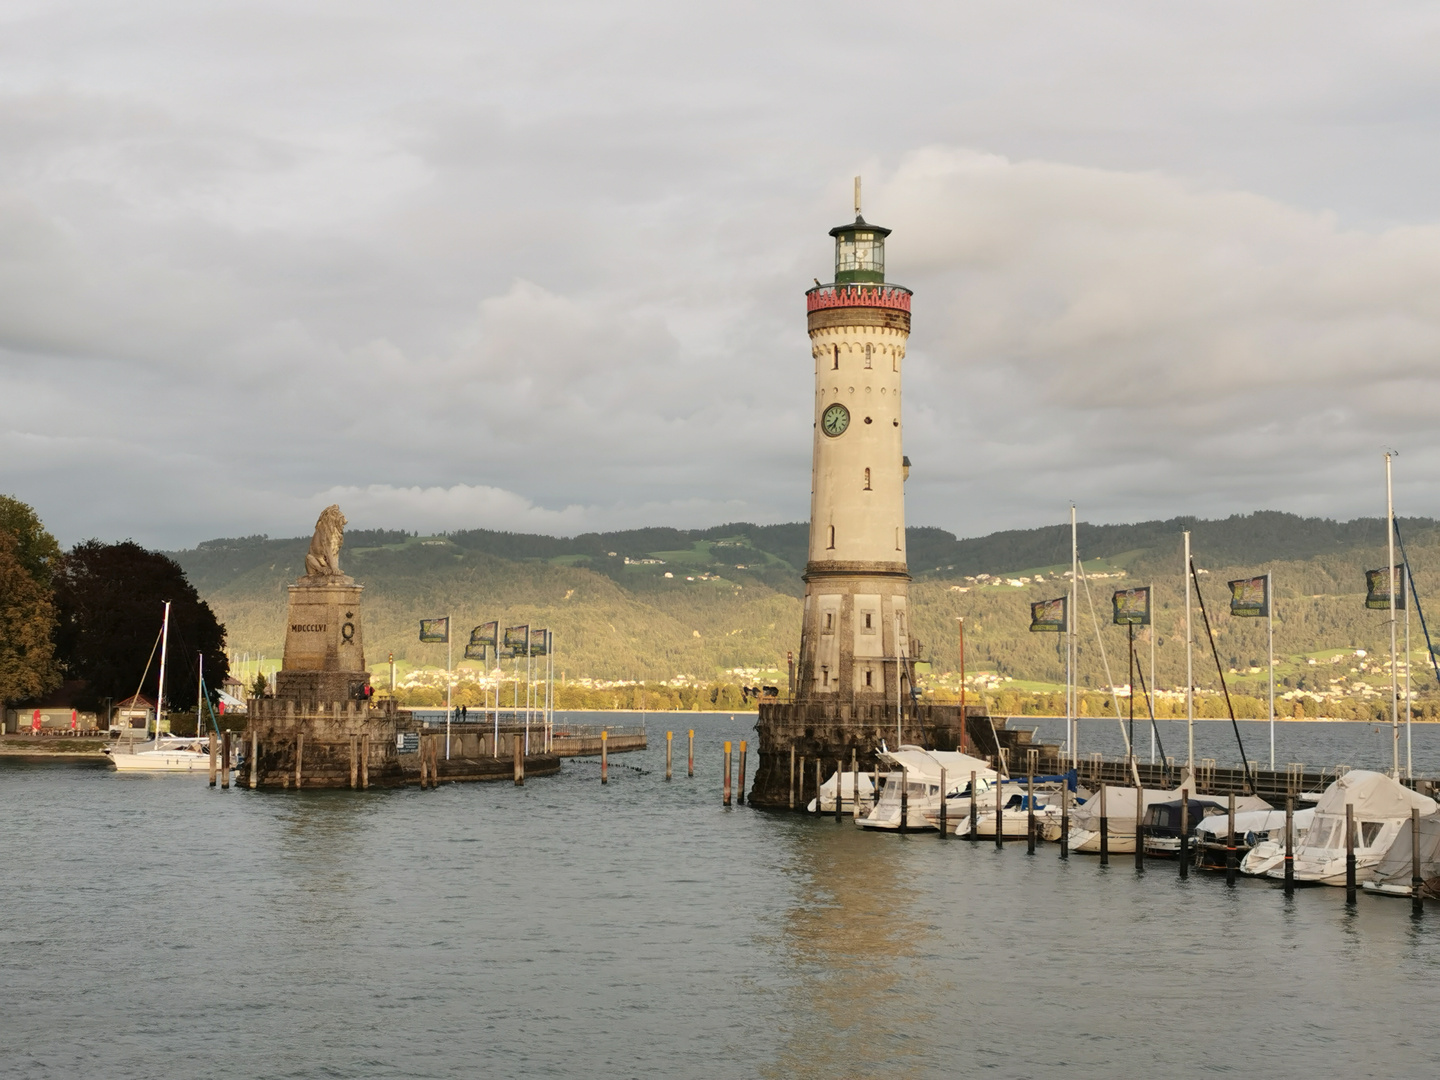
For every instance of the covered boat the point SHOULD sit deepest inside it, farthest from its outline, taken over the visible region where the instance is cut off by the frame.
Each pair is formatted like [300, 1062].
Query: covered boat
[849, 782]
[1381, 805]
[1119, 807]
[1162, 824]
[1393, 873]
[921, 782]
[1267, 845]
[1252, 828]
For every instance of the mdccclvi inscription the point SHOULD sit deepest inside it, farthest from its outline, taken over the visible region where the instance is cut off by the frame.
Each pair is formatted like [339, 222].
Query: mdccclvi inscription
[312, 628]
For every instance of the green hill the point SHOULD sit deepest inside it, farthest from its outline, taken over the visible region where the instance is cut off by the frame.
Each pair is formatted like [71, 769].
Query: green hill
[731, 597]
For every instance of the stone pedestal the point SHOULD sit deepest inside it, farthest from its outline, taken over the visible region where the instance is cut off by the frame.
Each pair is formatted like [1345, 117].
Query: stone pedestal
[324, 642]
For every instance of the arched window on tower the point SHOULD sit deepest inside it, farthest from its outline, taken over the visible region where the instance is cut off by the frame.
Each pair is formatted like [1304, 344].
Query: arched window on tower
[837, 359]
[897, 537]
[832, 538]
[867, 479]
[867, 356]
[895, 361]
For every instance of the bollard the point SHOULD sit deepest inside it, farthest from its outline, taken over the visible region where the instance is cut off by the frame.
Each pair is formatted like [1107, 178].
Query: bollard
[854, 784]
[365, 762]
[225, 761]
[839, 775]
[1104, 831]
[254, 757]
[1350, 854]
[1139, 830]
[792, 777]
[1417, 902]
[669, 745]
[802, 783]
[690, 761]
[1230, 846]
[999, 817]
[604, 756]
[212, 759]
[904, 800]
[517, 751]
[740, 792]
[1030, 820]
[1065, 819]
[1289, 845]
[725, 799]
[974, 810]
[299, 756]
[943, 793]
[1184, 833]
[354, 761]
[817, 787]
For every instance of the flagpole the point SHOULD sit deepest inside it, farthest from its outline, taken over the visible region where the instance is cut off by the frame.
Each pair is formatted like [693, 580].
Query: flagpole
[449, 678]
[1270, 636]
[1152, 676]
[1072, 725]
[1390, 575]
[1189, 670]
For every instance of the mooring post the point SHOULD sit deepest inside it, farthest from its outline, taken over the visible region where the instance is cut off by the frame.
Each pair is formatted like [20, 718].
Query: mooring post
[1230, 846]
[1065, 819]
[517, 750]
[1030, 819]
[604, 756]
[365, 762]
[942, 803]
[1184, 833]
[1289, 845]
[1417, 902]
[225, 761]
[1104, 830]
[999, 815]
[974, 811]
[669, 745]
[854, 783]
[212, 759]
[904, 799]
[725, 801]
[299, 756]
[792, 776]
[1350, 854]
[1139, 829]
[740, 787]
[801, 802]
[818, 807]
[354, 761]
[839, 781]
[254, 757]
[690, 765]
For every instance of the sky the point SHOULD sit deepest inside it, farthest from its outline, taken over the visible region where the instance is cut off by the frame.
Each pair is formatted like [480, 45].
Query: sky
[541, 266]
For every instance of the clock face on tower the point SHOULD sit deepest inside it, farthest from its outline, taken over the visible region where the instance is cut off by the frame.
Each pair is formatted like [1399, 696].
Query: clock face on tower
[834, 420]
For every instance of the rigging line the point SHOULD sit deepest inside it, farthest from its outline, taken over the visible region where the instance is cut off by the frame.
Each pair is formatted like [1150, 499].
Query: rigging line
[147, 675]
[1405, 559]
[1095, 622]
[1215, 651]
[1149, 704]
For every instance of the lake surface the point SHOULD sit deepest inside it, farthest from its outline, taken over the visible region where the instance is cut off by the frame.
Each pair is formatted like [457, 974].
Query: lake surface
[154, 927]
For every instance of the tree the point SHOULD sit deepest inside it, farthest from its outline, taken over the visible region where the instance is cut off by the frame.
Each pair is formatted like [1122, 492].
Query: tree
[35, 548]
[110, 599]
[27, 625]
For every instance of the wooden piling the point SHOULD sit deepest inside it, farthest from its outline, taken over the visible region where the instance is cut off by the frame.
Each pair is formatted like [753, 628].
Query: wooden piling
[740, 788]
[212, 759]
[1104, 831]
[299, 756]
[725, 800]
[1030, 820]
[999, 816]
[354, 762]
[904, 799]
[1065, 819]
[974, 811]
[669, 746]
[1139, 830]
[1230, 845]
[225, 761]
[517, 749]
[1184, 833]
[690, 766]
[801, 803]
[604, 756]
[839, 780]
[854, 783]
[818, 807]
[942, 804]
[1289, 845]
[792, 777]
[254, 758]
[365, 762]
[1350, 854]
[1417, 902]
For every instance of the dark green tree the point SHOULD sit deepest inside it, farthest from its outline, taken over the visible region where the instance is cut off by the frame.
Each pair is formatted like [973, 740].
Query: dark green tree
[110, 599]
[35, 548]
[27, 625]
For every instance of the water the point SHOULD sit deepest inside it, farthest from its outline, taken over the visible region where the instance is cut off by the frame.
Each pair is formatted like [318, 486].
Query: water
[153, 927]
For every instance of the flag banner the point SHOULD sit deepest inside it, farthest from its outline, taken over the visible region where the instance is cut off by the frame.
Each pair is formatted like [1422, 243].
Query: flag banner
[505, 654]
[517, 638]
[475, 652]
[1049, 616]
[1250, 597]
[539, 642]
[1132, 606]
[435, 631]
[1377, 589]
[487, 633]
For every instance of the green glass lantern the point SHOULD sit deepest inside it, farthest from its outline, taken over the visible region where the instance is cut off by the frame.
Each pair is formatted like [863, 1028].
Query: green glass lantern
[859, 252]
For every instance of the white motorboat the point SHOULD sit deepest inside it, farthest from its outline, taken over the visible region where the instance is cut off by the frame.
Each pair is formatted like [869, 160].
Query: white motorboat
[849, 782]
[1393, 874]
[1262, 833]
[169, 754]
[917, 771]
[1015, 810]
[1381, 807]
[1118, 804]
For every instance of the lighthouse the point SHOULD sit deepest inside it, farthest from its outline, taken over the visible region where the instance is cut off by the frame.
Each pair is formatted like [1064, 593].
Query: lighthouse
[855, 637]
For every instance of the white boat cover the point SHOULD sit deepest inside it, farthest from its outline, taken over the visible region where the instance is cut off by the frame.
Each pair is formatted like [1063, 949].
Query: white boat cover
[1374, 795]
[926, 765]
[1395, 868]
[1120, 807]
[847, 791]
[1253, 821]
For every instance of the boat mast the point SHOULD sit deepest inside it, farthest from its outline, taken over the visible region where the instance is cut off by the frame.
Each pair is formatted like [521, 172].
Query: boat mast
[199, 694]
[1072, 680]
[1189, 668]
[160, 690]
[1390, 575]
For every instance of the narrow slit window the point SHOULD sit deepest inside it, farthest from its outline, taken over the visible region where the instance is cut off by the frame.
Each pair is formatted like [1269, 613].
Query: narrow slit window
[867, 621]
[824, 676]
[894, 361]
[868, 674]
[867, 479]
[829, 620]
[837, 358]
[832, 537]
[867, 356]
[897, 537]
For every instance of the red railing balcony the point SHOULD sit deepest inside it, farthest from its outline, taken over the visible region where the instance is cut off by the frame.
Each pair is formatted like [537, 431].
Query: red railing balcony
[896, 297]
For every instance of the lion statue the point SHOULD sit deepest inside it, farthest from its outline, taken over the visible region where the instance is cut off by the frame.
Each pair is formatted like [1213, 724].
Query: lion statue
[323, 559]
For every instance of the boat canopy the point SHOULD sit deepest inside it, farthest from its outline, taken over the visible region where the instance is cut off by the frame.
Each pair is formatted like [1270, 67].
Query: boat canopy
[1397, 865]
[1120, 806]
[925, 765]
[1375, 796]
[1255, 821]
[1164, 817]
